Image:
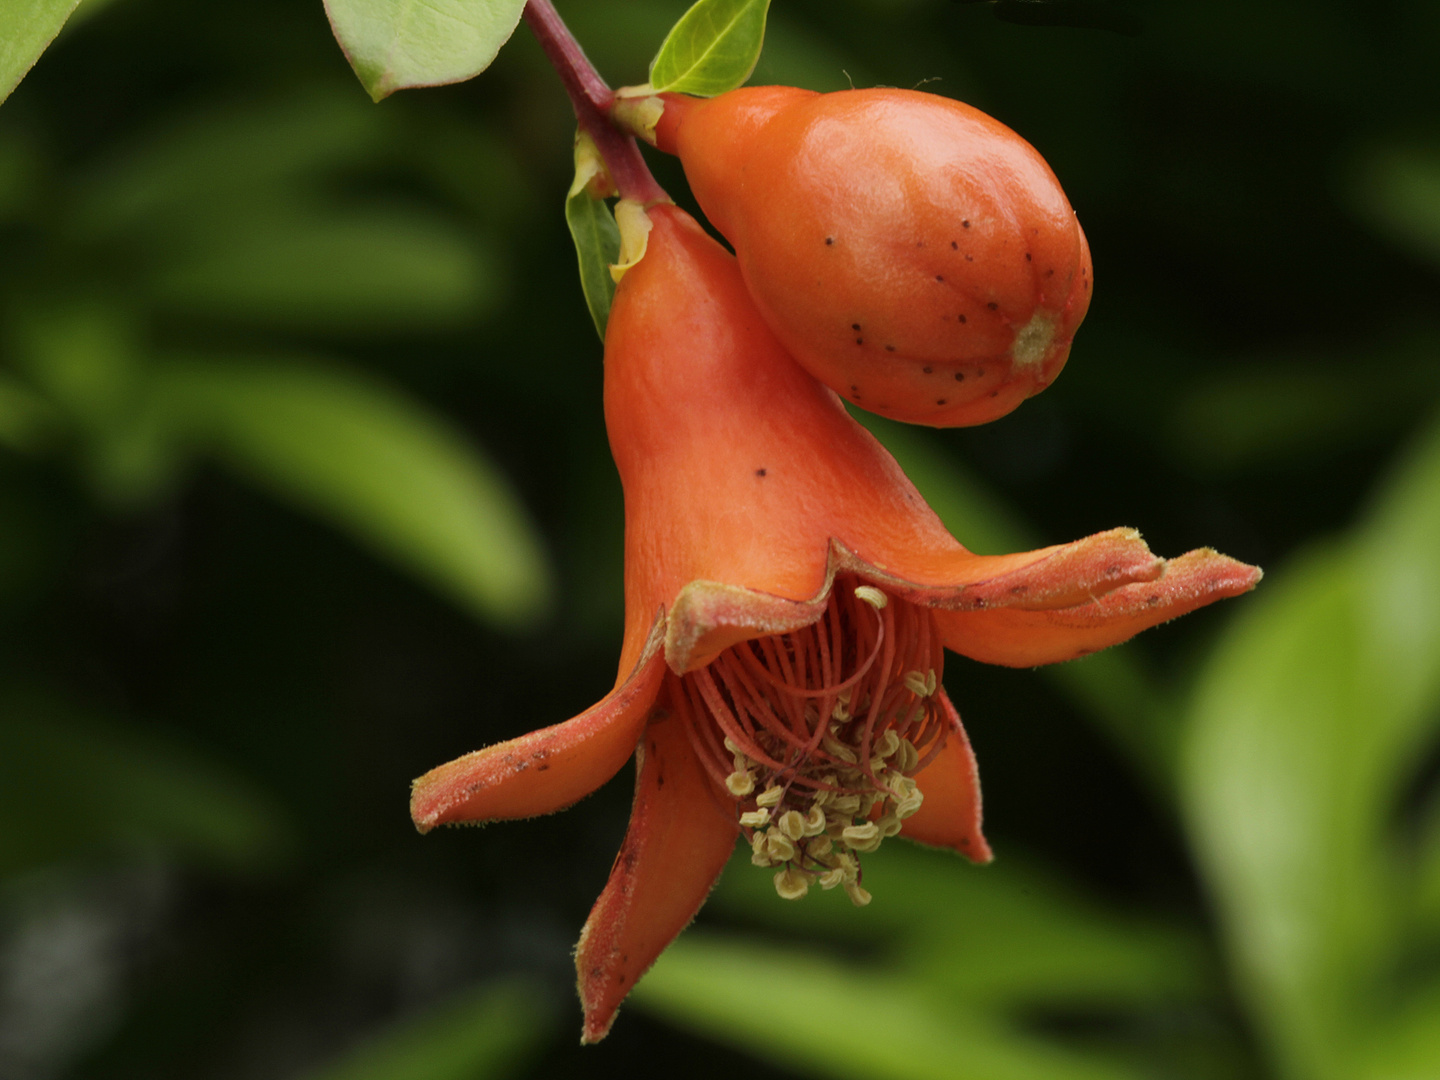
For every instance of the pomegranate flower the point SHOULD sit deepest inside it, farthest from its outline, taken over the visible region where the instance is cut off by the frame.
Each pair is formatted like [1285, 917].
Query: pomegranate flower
[789, 598]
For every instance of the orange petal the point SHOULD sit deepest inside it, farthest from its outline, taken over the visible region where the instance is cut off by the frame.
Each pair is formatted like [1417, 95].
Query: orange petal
[1017, 637]
[708, 617]
[546, 770]
[1053, 577]
[680, 836]
[950, 815]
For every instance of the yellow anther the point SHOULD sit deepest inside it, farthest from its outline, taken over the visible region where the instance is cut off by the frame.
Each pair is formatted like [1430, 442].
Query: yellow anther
[814, 822]
[847, 804]
[858, 896]
[792, 884]
[730, 745]
[779, 847]
[872, 596]
[771, 796]
[830, 878]
[889, 825]
[887, 744]
[855, 835]
[907, 757]
[931, 682]
[755, 819]
[792, 824]
[835, 748]
[819, 848]
[740, 784]
[915, 682]
[906, 807]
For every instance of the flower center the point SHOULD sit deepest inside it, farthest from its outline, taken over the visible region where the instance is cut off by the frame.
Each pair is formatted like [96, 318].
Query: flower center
[818, 734]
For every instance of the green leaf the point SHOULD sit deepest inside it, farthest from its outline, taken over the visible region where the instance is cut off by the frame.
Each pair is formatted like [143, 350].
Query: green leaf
[26, 28]
[397, 44]
[1407, 1045]
[379, 270]
[1396, 188]
[712, 49]
[488, 1032]
[76, 785]
[27, 421]
[87, 360]
[1306, 726]
[596, 236]
[385, 469]
[1026, 939]
[832, 1020]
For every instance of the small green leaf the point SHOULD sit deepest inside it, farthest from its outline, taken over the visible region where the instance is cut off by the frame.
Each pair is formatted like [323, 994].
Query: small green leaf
[485, 1033]
[26, 28]
[810, 1013]
[380, 466]
[596, 236]
[712, 49]
[397, 44]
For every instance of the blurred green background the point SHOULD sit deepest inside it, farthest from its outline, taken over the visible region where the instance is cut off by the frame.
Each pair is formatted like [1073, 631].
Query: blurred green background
[304, 490]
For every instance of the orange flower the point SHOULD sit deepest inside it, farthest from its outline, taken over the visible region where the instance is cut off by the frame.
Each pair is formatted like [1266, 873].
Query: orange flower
[788, 597]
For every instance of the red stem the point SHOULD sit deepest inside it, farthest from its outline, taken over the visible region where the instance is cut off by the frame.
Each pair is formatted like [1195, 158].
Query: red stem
[592, 99]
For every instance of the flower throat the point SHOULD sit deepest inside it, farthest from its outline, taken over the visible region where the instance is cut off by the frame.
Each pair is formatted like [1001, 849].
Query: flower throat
[818, 734]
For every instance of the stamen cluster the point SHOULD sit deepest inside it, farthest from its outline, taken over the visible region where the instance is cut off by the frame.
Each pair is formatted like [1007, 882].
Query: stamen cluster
[818, 735]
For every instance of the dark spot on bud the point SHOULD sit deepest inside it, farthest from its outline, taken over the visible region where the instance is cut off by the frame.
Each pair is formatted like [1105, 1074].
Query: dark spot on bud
[939, 277]
[969, 258]
[859, 341]
[963, 319]
[993, 306]
[954, 246]
[994, 393]
[854, 388]
[928, 370]
[829, 240]
[759, 472]
[1050, 272]
[940, 401]
[959, 376]
[1027, 257]
[854, 326]
[889, 348]
[980, 372]
[541, 767]
[964, 224]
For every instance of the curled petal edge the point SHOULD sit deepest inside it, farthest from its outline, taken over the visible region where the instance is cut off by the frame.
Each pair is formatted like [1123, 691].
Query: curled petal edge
[549, 769]
[1016, 637]
[709, 617]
